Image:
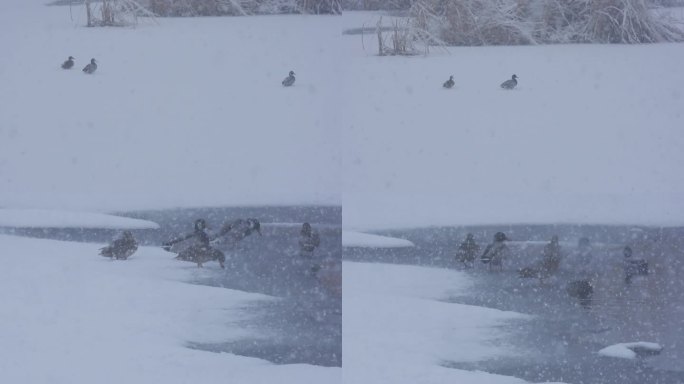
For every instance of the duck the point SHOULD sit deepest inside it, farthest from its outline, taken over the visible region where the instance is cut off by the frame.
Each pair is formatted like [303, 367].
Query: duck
[289, 80]
[90, 68]
[510, 84]
[449, 83]
[69, 63]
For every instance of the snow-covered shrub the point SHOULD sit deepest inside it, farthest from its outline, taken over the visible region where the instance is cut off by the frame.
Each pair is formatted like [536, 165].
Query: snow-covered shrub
[514, 22]
[114, 12]
[399, 39]
[185, 8]
[375, 5]
[626, 21]
[320, 6]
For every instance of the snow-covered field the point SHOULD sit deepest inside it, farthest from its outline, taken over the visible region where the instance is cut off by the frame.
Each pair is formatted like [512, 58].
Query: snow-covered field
[396, 329]
[592, 134]
[70, 316]
[190, 112]
[182, 112]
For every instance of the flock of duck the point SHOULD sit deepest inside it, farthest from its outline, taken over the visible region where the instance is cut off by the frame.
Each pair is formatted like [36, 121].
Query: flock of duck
[508, 84]
[92, 67]
[89, 69]
[290, 79]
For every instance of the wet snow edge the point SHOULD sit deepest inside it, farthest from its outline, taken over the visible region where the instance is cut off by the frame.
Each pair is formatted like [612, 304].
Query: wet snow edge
[43, 218]
[367, 240]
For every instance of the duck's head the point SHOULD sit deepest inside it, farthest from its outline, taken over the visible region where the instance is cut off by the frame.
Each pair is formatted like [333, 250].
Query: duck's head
[514, 77]
[451, 77]
[71, 58]
[93, 61]
[292, 73]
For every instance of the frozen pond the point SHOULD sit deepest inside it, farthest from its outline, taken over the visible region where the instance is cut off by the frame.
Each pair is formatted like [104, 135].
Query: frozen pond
[562, 340]
[304, 325]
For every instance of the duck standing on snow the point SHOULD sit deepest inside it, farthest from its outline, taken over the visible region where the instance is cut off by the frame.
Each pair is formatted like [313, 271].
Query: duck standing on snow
[69, 63]
[121, 248]
[510, 84]
[90, 68]
[289, 80]
[449, 83]
[198, 247]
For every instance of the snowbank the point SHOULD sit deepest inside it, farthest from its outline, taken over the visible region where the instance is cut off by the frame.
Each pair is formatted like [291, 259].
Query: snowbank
[69, 315]
[42, 218]
[592, 134]
[630, 350]
[203, 121]
[397, 331]
[366, 240]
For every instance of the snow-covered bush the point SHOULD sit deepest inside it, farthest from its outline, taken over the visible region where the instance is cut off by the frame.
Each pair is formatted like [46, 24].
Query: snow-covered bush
[187, 8]
[320, 6]
[515, 22]
[111, 13]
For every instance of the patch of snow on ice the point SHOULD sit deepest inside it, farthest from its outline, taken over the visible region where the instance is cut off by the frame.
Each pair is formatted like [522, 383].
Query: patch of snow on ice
[367, 240]
[628, 350]
[397, 331]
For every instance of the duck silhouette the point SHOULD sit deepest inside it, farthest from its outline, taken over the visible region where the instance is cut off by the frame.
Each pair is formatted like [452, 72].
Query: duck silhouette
[90, 68]
[289, 80]
[510, 84]
[449, 83]
[69, 63]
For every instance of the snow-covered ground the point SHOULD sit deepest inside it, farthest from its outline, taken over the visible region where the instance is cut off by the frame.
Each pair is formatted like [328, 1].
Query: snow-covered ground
[181, 112]
[68, 316]
[367, 240]
[190, 112]
[396, 329]
[43, 218]
[592, 134]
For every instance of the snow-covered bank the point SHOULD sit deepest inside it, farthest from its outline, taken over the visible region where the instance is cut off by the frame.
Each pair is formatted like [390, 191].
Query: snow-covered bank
[184, 112]
[592, 134]
[367, 240]
[68, 316]
[397, 331]
[43, 218]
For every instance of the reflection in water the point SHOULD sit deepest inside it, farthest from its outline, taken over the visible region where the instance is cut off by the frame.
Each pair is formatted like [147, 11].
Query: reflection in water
[562, 340]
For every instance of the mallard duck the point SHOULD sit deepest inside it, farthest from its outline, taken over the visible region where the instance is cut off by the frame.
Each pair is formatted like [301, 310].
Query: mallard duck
[510, 84]
[90, 68]
[289, 80]
[69, 63]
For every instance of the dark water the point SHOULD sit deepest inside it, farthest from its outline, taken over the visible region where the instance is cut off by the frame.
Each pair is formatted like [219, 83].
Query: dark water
[561, 342]
[305, 324]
